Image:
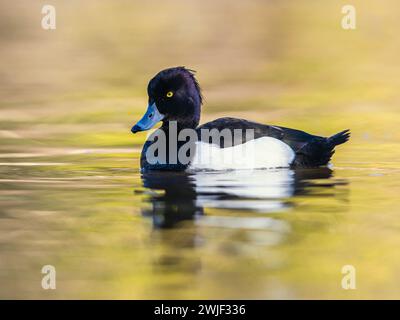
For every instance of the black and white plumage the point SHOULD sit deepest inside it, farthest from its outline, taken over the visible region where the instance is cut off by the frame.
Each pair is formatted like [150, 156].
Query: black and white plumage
[175, 95]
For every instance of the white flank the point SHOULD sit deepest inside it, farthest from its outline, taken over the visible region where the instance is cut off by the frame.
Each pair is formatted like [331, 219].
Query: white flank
[261, 153]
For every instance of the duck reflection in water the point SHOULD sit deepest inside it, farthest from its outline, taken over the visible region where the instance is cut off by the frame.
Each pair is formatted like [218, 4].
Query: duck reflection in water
[184, 195]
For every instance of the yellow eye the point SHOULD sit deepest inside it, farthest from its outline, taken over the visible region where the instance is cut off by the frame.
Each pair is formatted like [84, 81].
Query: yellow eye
[170, 94]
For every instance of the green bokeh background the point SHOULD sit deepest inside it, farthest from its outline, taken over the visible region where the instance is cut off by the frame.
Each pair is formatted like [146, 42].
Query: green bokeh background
[69, 164]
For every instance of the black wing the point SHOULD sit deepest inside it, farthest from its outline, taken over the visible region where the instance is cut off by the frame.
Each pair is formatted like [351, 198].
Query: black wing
[311, 150]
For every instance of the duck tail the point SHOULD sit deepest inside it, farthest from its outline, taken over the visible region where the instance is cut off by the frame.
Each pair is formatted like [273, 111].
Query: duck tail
[319, 151]
[339, 138]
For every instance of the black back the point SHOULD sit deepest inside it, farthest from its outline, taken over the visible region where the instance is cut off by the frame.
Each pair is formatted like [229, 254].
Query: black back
[310, 150]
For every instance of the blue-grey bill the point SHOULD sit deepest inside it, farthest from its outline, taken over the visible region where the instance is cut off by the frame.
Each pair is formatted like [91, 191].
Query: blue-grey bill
[149, 120]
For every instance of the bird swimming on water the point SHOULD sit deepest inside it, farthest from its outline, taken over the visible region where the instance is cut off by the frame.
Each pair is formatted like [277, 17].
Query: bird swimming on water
[175, 98]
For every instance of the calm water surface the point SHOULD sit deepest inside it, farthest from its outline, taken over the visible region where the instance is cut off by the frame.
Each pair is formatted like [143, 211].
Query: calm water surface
[72, 196]
[114, 233]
